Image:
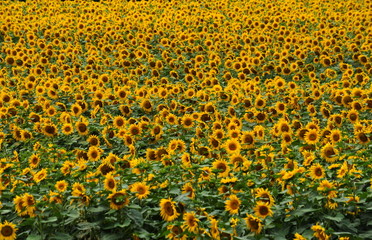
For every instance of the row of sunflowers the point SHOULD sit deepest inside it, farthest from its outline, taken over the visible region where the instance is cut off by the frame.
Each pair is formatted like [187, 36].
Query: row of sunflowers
[183, 119]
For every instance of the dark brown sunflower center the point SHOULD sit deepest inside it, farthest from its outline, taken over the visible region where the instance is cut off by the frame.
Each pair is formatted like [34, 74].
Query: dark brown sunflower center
[6, 231]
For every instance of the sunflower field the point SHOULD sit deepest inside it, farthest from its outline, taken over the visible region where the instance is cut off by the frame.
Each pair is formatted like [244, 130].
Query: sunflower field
[185, 119]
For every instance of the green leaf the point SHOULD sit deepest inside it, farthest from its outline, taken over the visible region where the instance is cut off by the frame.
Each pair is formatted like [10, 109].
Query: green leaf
[136, 217]
[50, 220]
[338, 218]
[366, 235]
[34, 237]
[87, 225]
[62, 236]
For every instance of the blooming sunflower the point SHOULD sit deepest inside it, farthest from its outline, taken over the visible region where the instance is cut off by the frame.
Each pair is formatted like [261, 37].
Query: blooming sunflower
[118, 200]
[232, 204]
[61, 186]
[82, 128]
[8, 231]
[265, 196]
[329, 153]
[190, 222]
[312, 136]
[34, 160]
[254, 224]
[232, 146]
[262, 209]
[168, 210]
[317, 171]
[41, 175]
[141, 190]
[67, 129]
[109, 182]
[222, 167]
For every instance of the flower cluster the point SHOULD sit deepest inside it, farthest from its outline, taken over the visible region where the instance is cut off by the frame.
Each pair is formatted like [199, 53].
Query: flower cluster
[185, 119]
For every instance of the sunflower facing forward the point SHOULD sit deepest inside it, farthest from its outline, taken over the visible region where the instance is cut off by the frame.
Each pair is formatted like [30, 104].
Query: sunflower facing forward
[8, 231]
[232, 205]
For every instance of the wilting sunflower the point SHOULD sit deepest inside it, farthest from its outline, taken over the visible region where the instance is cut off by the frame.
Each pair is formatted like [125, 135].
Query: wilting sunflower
[232, 204]
[61, 186]
[317, 171]
[8, 231]
[109, 182]
[141, 190]
[168, 210]
[190, 222]
[187, 188]
[254, 224]
[329, 153]
[118, 199]
[312, 136]
[232, 146]
[262, 209]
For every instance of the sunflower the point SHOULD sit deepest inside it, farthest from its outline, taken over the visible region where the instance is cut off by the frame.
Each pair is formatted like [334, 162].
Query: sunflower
[187, 188]
[94, 153]
[76, 110]
[262, 209]
[34, 160]
[168, 210]
[312, 136]
[67, 129]
[50, 130]
[118, 200]
[190, 222]
[317, 171]
[254, 224]
[8, 231]
[353, 115]
[329, 153]
[78, 189]
[61, 186]
[335, 135]
[232, 204]
[141, 190]
[187, 121]
[146, 105]
[82, 128]
[134, 130]
[119, 122]
[362, 137]
[232, 146]
[222, 167]
[109, 182]
[265, 196]
[41, 175]
[93, 140]
[29, 204]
